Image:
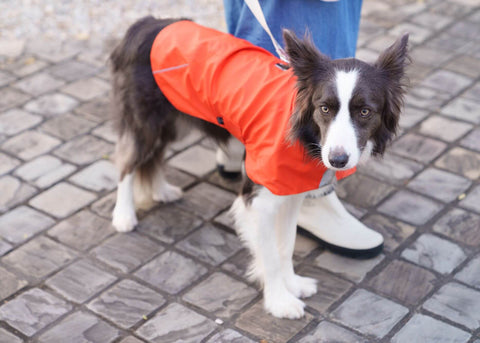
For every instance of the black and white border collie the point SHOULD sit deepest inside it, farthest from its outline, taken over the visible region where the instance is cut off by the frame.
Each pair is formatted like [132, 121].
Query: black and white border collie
[345, 109]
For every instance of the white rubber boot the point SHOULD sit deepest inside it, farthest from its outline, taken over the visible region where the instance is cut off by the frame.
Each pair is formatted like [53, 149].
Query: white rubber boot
[230, 159]
[327, 220]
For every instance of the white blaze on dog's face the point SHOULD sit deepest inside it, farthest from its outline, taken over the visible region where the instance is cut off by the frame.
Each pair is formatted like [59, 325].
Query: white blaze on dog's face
[345, 109]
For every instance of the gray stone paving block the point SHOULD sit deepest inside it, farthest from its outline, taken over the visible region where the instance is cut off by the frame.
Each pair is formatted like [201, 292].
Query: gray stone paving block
[349, 268]
[55, 53]
[30, 144]
[104, 206]
[126, 303]
[7, 163]
[84, 150]
[391, 169]
[472, 141]
[465, 65]
[87, 89]
[439, 184]
[106, 131]
[473, 93]
[304, 246]
[9, 284]
[4, 247]
[100, 176]
[196, 160]
[80, 281]
[452, 9]
[171, 272]
[126, 251]
[221, 295]
[22, 223]
[17, 120]
[363, 191]
[444, 129]
[178, 178]
[229, 336]
[465, 29]
[421, 328]
[39, 257]
[6, 78]
[44, 171]
[62, 200]
[7, 337]
[33, 310]
[417, 33]
[330, 288]
[410, 207]
[82, 231]
[432, 20]
[472, 201]
[26, 65]
[469, 274]
[239, 263]
[426, 98]
[327, 332]
[206, 200]
[39, 83]
[51, 105]
[447, 81]
[166, 328]
[95, 110]
[232, 185]
[13, 192]
[461, 226]
[369, 313]
[394, 232]
[258, 322]
[67, 126]
[10, 98]
[72, 70]
[169, 223]
[189, 138]
[404, 281]
[211, 245]
[418, 148]
[464, 109]
[461, 161]
[412, 116]
[80, 327]
[457, 303]
[131, 339]
[435, 253]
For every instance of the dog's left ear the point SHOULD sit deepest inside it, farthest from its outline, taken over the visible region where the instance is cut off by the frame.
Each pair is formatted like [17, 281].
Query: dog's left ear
[392, 63]
[305, 59]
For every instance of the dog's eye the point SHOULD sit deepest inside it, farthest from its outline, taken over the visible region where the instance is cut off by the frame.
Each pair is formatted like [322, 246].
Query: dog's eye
[324, 109]
[365, 112]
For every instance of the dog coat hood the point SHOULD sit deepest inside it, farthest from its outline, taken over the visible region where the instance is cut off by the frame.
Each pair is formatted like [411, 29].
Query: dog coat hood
[232, 83]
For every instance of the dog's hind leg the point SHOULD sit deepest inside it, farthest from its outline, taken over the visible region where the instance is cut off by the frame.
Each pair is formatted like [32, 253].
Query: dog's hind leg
[124, 217]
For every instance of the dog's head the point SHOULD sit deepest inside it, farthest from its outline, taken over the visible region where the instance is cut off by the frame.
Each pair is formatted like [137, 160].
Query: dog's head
[345, 109]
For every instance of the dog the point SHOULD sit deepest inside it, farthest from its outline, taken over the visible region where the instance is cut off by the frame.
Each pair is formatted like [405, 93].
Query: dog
[324, 116]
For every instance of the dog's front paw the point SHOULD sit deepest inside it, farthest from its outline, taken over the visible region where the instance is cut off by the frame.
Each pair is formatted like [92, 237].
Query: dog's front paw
[283, 304]
[124, 221]
[301, 286]
[167, 193]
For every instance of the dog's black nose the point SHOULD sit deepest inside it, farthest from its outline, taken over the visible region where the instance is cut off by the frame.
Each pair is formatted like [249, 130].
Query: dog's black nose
[338, 159]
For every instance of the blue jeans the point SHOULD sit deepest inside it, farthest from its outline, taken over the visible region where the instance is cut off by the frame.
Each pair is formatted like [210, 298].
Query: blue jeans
[333, 25]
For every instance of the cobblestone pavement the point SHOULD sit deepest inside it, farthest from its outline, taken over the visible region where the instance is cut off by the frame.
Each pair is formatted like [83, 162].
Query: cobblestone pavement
[66, 276]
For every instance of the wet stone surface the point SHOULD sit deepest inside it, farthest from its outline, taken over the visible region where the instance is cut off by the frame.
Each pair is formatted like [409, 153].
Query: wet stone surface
[181, 276]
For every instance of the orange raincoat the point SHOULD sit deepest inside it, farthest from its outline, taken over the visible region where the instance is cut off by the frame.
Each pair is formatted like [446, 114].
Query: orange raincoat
[236, 85]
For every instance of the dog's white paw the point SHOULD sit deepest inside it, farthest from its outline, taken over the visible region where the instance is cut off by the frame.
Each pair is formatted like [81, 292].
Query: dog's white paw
[167, 193]
[283, 304]
[124, 221]
[301, 286]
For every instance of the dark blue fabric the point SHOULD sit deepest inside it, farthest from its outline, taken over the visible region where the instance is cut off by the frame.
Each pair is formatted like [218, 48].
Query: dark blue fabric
[333, 25]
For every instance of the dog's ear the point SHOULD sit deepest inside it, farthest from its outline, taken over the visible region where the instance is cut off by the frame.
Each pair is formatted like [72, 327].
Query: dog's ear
[391, 64]
[304, 57]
